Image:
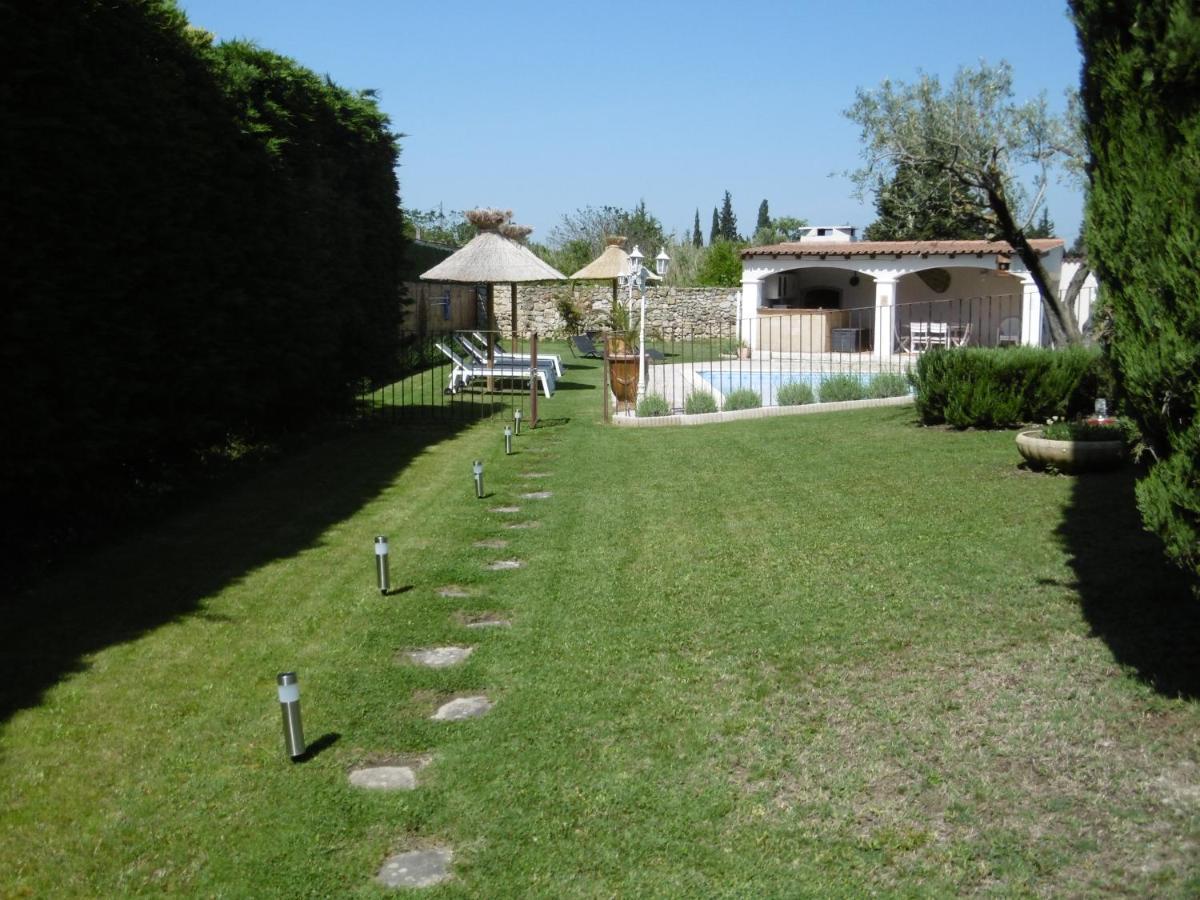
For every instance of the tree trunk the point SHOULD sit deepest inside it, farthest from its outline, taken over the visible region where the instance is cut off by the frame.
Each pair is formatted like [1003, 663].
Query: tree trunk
[1063, 327]
[1073, 289]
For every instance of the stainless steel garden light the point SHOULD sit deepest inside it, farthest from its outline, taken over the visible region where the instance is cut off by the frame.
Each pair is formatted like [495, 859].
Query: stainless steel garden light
[289, 703]
[381, 563]
[477, 468]
[508, 433]
[517, 420]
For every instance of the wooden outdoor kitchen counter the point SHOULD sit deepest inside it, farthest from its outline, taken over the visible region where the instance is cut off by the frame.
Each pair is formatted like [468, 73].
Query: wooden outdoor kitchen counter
[799, 330]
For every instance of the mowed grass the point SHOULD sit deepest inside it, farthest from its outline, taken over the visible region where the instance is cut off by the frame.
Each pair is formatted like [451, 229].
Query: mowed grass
[822, 655]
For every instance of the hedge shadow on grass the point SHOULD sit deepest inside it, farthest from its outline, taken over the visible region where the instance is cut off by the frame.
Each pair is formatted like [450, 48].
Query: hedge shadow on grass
[149, 578]
[1136, 602]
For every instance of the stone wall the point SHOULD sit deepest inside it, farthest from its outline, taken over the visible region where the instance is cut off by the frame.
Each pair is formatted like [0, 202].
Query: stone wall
[671, 312]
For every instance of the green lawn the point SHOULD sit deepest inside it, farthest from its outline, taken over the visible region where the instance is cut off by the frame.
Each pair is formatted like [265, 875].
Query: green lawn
[816, 655]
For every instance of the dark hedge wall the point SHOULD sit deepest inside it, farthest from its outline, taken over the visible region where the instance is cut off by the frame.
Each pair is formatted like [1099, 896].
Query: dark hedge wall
[1141, 93]
[204, 246]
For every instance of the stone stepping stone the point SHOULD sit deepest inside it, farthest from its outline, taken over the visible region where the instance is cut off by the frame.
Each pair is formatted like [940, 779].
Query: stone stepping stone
[505, 509]
[439, 657]
[538, 495]
[416, 868]
[491, 544]
[503, 565]
[535, 474]
[385, 778]
[453, 590]
[519, 525]
[461, 708]
[483, 620]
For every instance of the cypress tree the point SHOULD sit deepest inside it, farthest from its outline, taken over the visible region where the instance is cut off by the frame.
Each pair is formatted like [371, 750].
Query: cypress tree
[697, 237]
[728, 221]
[1141, 99]
[715, 234]
[764, 218]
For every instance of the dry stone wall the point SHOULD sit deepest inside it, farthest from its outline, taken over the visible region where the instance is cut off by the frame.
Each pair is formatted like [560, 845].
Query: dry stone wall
[671, 312]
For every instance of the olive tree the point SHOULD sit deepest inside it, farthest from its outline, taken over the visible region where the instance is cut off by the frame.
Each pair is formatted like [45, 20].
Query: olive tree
[974, 133]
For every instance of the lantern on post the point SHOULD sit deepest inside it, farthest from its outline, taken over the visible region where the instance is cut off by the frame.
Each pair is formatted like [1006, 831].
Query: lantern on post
[477, 468]
[289, 702]
[381, 563]
[508, 433]
[517, 420]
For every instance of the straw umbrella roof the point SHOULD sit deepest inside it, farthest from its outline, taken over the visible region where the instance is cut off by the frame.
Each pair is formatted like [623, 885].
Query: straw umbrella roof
[493, 257]
[612, 263]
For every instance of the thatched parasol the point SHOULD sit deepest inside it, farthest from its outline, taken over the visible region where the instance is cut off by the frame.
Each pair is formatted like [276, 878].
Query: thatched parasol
[495, 255]
[612, 264]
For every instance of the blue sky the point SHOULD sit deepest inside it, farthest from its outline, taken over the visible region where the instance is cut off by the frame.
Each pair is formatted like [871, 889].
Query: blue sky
[547, 107]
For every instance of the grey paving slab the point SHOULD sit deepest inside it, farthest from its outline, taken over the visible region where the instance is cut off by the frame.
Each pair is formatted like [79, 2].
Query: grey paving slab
[453, 590]
[505, 509]
[491, 544]
[538, 495]
[502, 565]
[520, 525]
[385, 778]
[439, 657]
[462, 708]
[416, 868]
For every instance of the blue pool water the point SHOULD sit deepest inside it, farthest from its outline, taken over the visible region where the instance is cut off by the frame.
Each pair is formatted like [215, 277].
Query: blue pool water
[767, 383]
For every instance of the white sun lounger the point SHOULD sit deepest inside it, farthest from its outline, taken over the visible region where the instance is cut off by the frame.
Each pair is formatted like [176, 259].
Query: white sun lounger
[521, 357]
[501, 358]
[464, 372]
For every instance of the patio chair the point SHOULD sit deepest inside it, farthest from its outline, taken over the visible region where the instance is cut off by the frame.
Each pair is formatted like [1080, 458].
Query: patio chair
[939, 334]
[464, 372]
[586, 346]
[960, 335]
[500, 358]
[519, 357]
[918, 338]
[1009, 333]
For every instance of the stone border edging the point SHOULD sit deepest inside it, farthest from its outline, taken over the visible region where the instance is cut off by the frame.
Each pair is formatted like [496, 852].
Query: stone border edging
[761, 412]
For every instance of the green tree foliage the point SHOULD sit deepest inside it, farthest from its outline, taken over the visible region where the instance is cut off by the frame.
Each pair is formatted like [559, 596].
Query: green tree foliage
[974, 133]
[721, 266]
[438, 226]
[764, 217]
[727, 223]
[922, 203]
[579, 237]
[697, 237]
[1044, 227]
[1141, 96]
[714, 233]
[780, 230]
[205, 245]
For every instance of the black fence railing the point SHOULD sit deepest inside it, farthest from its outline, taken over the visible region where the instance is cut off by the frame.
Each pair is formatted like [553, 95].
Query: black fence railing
[440, 376]
[787, 356]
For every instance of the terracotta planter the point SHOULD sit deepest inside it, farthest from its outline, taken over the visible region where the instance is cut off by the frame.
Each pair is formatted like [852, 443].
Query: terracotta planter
[743, 352]
[1069, 456]
[623, 376]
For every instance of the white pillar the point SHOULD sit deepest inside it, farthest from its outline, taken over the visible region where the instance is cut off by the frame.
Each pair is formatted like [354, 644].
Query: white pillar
[1031, 312]
[748, 314]
[885, 317]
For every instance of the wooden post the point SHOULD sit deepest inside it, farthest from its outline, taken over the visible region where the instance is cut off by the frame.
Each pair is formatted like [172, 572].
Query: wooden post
[513, 348]
[533, 382]
[491, 334]
[604, 386]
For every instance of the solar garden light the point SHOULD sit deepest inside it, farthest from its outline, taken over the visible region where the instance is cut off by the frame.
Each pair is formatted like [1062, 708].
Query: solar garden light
[381, 563]
[508, 440]
[289, 703]
[477, 468]
[1101, 408]
[517, 420]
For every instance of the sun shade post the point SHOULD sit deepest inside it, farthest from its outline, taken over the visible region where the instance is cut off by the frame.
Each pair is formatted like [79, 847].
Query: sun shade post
[533, 382]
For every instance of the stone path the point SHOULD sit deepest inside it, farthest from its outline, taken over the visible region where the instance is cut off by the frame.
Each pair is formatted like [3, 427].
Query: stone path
[416, 868]
[535, 474]
[385, 778]
[502, 565]
[518, 525]
[505, 509]
[453, 590]
[439, 657]
[538, 495]
[491, 544]
[483, 620]
[461, 708]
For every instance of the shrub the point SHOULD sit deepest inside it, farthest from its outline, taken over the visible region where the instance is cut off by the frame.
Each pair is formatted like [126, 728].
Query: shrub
[1082, 431]
[653, 405]
[795, 393]
[998, 388]
[700, 402]
[842, 387]
[1141, 101]
[887, 384]
[571, 312]
[742, 398]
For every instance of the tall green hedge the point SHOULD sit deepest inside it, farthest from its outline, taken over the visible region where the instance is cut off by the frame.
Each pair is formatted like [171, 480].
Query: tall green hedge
[203, 248]
[1141, 96]
[979, 387]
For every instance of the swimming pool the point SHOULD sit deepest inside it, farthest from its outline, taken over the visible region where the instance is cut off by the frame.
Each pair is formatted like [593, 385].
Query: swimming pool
[767, 384]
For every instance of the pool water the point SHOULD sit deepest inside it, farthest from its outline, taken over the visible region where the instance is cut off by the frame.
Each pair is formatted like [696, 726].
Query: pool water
[766, 384]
